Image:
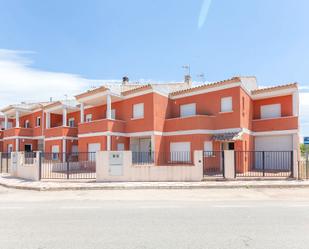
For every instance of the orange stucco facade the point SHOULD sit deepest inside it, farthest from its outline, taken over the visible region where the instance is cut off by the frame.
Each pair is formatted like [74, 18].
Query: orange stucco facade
[161, 121]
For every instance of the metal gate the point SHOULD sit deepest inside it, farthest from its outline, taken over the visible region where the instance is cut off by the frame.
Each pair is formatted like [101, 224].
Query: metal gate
[81, 165]
[213, 163]
[263, 163]
[5, 162]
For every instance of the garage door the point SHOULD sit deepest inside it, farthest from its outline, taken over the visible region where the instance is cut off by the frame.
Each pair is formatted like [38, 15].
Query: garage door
[180, 152]
[277, 153]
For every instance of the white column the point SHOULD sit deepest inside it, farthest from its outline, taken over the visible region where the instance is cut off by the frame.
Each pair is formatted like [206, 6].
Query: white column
[64, 117]
[64, 149]
[82, 118]
[6, 123]
[229, 164]
[47, 120]
[108, 142]
[17, 119]
[108, 107]
[295, 104]
[17, 144]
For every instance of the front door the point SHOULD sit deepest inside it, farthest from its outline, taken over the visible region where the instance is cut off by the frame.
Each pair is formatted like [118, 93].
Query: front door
[10, 148]
[227, 145]
[28, 148]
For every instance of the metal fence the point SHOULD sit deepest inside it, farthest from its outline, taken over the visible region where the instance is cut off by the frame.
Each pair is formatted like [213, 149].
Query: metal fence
[162, 158]
[5, 162]
[29, 157]
[213, 163]
[263, 163]
[81, 165]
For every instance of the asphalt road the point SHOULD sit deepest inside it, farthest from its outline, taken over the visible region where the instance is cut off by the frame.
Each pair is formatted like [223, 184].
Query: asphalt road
[236, 218]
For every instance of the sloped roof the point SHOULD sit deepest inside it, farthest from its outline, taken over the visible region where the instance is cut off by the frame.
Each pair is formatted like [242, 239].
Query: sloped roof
[274, 88]
[92, 91]
[206, 86]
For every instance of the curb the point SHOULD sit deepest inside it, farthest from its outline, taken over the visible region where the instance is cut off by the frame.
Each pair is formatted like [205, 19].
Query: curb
[145, 187]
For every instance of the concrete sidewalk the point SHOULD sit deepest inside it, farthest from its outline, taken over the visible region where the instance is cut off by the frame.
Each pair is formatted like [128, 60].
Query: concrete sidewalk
[18, 183]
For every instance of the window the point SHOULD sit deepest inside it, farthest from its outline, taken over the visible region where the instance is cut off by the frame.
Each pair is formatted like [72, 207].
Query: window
[10, 148]
[55, 152]
[74, 150]
[38, 122]
[138, 110]
[188, 110]
[71, 122]
[208, 149]
[88, 118]
[113, 113]
[27, 124]
[271, 111]
[180, 152]
[226, 104]
[120, 147]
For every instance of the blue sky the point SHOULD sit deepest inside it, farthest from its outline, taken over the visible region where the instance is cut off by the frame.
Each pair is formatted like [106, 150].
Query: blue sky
[59, 47]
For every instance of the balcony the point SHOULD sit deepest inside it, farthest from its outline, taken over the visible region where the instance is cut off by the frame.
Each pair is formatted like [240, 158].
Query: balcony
[61, 131]
[275, 124]
[101, 125]
[204, 122]
[25, 132]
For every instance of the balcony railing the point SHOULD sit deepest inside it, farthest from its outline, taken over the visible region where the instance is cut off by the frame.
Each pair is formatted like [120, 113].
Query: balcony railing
[189, 123]
[61, 131]
[26, 132]
[275, 124]
[101, 126]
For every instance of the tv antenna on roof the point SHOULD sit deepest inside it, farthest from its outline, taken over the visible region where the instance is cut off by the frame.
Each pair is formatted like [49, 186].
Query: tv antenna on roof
[202, 77]
[187, 68]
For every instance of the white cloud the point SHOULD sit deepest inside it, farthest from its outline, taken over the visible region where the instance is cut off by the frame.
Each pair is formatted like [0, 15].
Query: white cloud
[203, 13]
[21, 82]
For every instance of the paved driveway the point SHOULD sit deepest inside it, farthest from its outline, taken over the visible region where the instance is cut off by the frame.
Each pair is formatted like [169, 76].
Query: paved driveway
[226, 218]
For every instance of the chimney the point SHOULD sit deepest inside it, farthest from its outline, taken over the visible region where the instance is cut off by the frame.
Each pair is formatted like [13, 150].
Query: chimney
[125, 80]
[188, 80]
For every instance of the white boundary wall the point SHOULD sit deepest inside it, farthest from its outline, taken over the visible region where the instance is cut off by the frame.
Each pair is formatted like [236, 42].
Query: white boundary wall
[147, 173]
[22, 170]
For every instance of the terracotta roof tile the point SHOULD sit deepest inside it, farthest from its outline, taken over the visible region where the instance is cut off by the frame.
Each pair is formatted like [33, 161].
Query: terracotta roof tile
[137, 89]
[272, 88]
[205, 86]
[90, 92]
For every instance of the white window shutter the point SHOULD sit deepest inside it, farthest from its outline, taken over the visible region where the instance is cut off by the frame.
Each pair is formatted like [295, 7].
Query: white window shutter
[271, 111]
[226, 104]
[138, 110]
[188, 110]
[180, 152]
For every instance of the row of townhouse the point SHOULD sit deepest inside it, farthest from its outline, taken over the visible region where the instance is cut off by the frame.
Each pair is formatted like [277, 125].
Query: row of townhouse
[233, 114]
